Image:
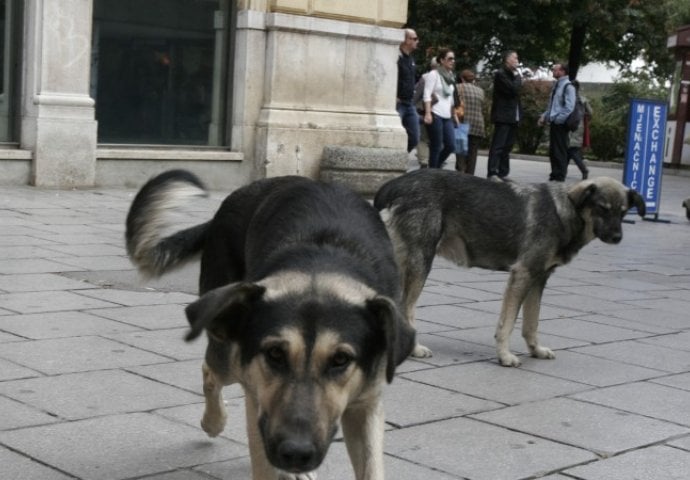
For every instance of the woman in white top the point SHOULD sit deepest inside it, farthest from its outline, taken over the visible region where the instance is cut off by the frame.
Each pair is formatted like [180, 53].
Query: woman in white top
[440, 118]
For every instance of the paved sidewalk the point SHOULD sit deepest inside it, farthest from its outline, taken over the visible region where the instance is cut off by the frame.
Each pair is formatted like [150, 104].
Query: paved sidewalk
[97, 383]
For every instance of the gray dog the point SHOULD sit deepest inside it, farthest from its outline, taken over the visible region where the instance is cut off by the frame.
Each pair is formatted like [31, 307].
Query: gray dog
[527, 230]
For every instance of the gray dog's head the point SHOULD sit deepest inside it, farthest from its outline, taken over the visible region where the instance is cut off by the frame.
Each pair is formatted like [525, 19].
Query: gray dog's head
[602, 203]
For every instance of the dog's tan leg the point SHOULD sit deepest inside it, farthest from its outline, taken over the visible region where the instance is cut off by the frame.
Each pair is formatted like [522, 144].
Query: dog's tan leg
[530, 322]
[517, 287]
[213, 421]
[363, 430]
[261, 467]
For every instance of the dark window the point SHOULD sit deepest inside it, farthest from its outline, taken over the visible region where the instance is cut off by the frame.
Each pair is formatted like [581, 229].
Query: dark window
[159, 73]
[10, 30]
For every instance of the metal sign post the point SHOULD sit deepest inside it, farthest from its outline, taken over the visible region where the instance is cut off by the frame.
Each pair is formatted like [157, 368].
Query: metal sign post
[644, 151]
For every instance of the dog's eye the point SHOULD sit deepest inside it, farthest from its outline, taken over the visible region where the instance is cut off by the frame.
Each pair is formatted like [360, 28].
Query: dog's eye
[275, 356]
[340, 361]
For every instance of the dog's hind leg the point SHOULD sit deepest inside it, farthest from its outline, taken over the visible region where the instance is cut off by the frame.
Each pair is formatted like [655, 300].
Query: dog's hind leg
[413, 285]
[530, 321]
[516, 290]
[363, 429]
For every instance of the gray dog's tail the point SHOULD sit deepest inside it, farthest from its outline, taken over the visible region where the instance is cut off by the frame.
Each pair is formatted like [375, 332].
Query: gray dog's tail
[153, 253]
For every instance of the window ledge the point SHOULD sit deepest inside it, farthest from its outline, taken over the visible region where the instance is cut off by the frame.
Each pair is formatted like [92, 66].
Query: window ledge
[167, 153]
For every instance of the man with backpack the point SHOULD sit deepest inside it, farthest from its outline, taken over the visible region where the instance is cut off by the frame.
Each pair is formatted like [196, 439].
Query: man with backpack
[579, 136]
[561, 106]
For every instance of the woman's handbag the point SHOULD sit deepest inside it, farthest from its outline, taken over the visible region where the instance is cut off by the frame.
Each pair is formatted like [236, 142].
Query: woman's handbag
[459, 103]
[462, 131]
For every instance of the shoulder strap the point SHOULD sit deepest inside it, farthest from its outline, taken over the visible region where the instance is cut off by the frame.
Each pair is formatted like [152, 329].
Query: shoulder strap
[577, 97]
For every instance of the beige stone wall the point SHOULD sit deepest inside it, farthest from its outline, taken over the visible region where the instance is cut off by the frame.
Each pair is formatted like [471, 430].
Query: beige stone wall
[379, 12]
[326, 82]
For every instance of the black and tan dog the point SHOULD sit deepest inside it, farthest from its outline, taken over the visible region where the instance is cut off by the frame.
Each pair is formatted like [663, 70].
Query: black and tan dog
[300, 300]
[527, 230]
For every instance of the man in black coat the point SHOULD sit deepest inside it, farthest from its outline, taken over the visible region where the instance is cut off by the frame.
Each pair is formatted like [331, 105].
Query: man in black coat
[505, 115]
[407, 71]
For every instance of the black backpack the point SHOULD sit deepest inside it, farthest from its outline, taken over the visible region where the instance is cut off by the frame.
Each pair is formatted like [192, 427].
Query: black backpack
[578, 113]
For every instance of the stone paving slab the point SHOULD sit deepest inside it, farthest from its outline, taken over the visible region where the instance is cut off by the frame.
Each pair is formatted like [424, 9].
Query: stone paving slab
[682, 381]
[91, 394]
[150, 317]
[430, 403]
[61, 324]
[37, 302]
[38, 282]
[592, 427]
[642, 354]
[76, 354]
[492, 382]
[17, 415]
[590, 370]
[96, 381]
[656, 463]
[649, 399]
[476, 450]
[18, 467]
[118, 452]
[169, 343]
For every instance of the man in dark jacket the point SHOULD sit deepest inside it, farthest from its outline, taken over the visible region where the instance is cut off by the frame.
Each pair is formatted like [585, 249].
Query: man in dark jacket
[505, 115]
[407, 71]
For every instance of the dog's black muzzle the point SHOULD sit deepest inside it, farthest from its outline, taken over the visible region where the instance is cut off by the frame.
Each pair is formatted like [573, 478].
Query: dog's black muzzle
[294, 448]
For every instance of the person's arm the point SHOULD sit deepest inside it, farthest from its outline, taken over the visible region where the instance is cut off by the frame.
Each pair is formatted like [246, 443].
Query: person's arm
[569, 106]
[429, 85]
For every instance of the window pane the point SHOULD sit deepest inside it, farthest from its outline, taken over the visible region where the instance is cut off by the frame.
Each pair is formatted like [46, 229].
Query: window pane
[156, 76]
[10, 23]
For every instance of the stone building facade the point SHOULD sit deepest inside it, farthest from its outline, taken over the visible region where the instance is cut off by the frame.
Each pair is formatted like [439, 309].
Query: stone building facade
[110, 92]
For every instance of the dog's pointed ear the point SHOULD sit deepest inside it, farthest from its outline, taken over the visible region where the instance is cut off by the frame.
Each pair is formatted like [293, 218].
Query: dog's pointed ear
[581, 192]
[399, 335]
[636, 200]
[221, 310]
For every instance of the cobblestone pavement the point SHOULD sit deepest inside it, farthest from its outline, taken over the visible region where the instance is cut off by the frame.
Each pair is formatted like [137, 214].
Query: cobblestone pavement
[96, 382]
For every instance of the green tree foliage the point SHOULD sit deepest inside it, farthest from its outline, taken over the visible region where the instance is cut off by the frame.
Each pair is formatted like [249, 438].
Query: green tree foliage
[579, 31]
[609, 121]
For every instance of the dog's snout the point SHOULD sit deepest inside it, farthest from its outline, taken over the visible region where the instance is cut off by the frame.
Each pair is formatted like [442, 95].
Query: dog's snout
[616, 237]
[297, 455]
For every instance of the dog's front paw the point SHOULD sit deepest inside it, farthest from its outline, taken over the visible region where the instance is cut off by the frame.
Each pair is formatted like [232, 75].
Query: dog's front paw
[542, 352]
[507, 359]
[420, 351]
[213, 425]
[299, 476]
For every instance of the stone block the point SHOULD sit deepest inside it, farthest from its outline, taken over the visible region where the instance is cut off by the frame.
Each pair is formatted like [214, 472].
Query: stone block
[364, 169]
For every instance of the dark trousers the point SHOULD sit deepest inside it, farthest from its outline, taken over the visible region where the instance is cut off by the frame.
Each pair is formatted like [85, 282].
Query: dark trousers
[441, 140]
[575, 154]
[410, 120]
[467, 163]
[558, 152]
[501, 146]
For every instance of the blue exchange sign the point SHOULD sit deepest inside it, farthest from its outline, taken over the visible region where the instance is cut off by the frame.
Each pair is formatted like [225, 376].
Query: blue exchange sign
[644, 151]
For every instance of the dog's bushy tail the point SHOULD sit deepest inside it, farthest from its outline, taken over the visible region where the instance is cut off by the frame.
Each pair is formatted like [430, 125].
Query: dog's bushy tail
[153, 253]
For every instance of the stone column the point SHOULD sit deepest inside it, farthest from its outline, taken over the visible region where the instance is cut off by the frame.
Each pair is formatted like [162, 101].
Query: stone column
[58, 115]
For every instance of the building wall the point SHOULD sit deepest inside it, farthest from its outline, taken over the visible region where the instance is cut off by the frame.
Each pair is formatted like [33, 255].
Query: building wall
[306, 73]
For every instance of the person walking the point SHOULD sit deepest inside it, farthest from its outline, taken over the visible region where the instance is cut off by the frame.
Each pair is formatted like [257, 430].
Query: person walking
[407, 71]
[440, 118]
[472, 98]
[561, 105]
[578, 140]
[505, 115]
